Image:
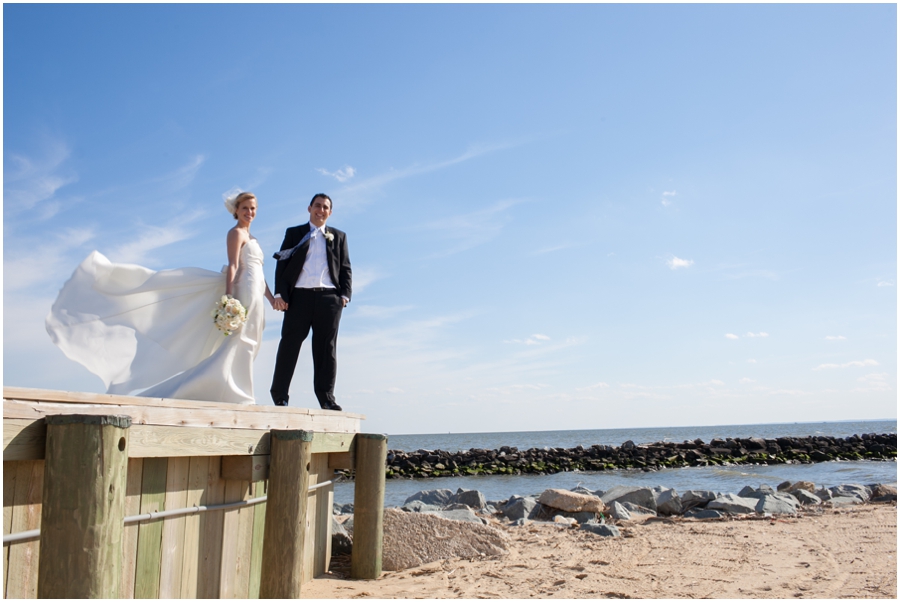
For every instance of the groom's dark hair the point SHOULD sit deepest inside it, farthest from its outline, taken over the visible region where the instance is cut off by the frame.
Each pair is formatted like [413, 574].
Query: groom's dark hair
[322, 195]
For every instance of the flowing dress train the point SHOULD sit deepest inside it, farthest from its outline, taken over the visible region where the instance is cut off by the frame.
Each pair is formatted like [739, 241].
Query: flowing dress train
[137, 328]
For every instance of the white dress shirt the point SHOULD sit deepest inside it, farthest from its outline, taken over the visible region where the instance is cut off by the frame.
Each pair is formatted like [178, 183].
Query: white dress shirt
[315, 272]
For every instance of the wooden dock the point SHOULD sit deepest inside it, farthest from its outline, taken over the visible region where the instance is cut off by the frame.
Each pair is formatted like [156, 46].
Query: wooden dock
[77, 465]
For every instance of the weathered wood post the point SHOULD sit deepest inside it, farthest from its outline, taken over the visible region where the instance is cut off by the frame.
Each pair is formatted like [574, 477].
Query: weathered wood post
[86, 464]
[368, 507]
[285, 528]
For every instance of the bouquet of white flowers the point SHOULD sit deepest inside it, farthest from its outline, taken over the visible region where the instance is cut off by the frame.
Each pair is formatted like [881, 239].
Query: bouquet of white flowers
[229, 314]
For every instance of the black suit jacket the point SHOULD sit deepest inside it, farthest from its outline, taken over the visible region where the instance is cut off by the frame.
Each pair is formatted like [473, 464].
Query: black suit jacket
[287, 272]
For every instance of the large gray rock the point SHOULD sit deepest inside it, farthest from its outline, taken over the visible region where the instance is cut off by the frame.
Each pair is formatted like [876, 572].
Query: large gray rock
[412, 539]
[419, 506]
[668, 502]
[806, 498]
[601, 529]
[520, 508]
[433, 497]
[463, 513]
[694, 498]
[853, 490]
[619, 512]
[778, 503]
[802, 486]
[471, 498]
[883, 493]
[824, 494]
[341, 542]
[703, 513]
[642, 496]
[763, 490]
[637, 510]
[841, 500]
[733, 504]
[569, 501]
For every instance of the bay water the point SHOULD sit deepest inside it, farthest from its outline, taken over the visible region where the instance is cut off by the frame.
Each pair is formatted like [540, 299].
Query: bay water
[724, 479]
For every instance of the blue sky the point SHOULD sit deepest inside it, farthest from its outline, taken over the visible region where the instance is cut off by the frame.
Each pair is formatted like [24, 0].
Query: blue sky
[582, 216]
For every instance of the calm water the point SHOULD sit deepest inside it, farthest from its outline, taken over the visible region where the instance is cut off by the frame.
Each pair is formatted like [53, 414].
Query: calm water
[716, 478]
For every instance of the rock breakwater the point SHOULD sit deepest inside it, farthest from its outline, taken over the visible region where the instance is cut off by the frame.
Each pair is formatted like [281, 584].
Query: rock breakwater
[512, 461]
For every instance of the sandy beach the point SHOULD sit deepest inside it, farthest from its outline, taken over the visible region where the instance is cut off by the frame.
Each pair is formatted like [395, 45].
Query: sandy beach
[824, 553]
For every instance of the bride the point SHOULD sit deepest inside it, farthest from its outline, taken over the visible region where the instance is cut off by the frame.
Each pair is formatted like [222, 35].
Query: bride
[137, 328]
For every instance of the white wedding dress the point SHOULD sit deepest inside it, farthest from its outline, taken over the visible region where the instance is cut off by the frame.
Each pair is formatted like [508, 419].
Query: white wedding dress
[137, 328]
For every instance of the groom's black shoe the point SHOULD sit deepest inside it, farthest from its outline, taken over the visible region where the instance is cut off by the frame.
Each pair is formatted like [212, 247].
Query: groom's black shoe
[330, 405]
[280, 402]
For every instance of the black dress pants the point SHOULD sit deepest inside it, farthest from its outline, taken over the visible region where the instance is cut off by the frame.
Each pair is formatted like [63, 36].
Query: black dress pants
[319, 309]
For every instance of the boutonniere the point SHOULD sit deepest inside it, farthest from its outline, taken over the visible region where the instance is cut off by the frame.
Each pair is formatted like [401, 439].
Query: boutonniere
[329, 237]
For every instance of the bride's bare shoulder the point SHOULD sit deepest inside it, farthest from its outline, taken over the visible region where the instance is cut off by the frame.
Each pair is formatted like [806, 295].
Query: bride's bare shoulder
[237, 233]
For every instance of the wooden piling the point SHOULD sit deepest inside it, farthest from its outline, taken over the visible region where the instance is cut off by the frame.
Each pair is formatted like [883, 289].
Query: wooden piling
[86, 464]
[286, 521]
[368, 506]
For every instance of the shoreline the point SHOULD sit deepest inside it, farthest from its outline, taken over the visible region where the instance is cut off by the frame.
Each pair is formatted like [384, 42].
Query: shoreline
[833, 553]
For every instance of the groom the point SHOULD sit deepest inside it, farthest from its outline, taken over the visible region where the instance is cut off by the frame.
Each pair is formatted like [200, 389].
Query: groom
[312, 287]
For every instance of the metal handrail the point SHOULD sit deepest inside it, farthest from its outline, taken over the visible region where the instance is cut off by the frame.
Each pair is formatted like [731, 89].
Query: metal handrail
[36, 533]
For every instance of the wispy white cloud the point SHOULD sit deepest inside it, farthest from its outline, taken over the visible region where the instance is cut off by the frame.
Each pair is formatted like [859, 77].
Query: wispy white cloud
[535, 339]
[38, 262]
[853, 364]
[886, 283]
[835, 338]
[751, 361]
[667, 197]
[341, 175]
[551, 249]
[732, 336]
[380, 312]
[517, 388]
[676, 263]
[745, 381]
[262, 174]
[600, 385]
[364, 277]
[879, 381]
[875, 377]
[470, 230]
[757, 335]
[28, 181]
[151, 238]
[356, 193]
[181, 177]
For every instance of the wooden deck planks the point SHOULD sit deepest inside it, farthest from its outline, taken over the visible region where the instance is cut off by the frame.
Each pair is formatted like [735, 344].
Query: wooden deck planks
[9, 496]
[259, 524]
[176, 449]
[130, 533]
[172, 555]
[211, 525]
[24, 439]
[26, 515]
[149, 549]
[196, 496]
[149, 410]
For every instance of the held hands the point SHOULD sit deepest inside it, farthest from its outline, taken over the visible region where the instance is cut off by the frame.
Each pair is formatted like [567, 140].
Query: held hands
[279, 304]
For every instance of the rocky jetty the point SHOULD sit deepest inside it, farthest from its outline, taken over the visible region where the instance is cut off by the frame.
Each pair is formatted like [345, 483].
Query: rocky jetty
[510, 460]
